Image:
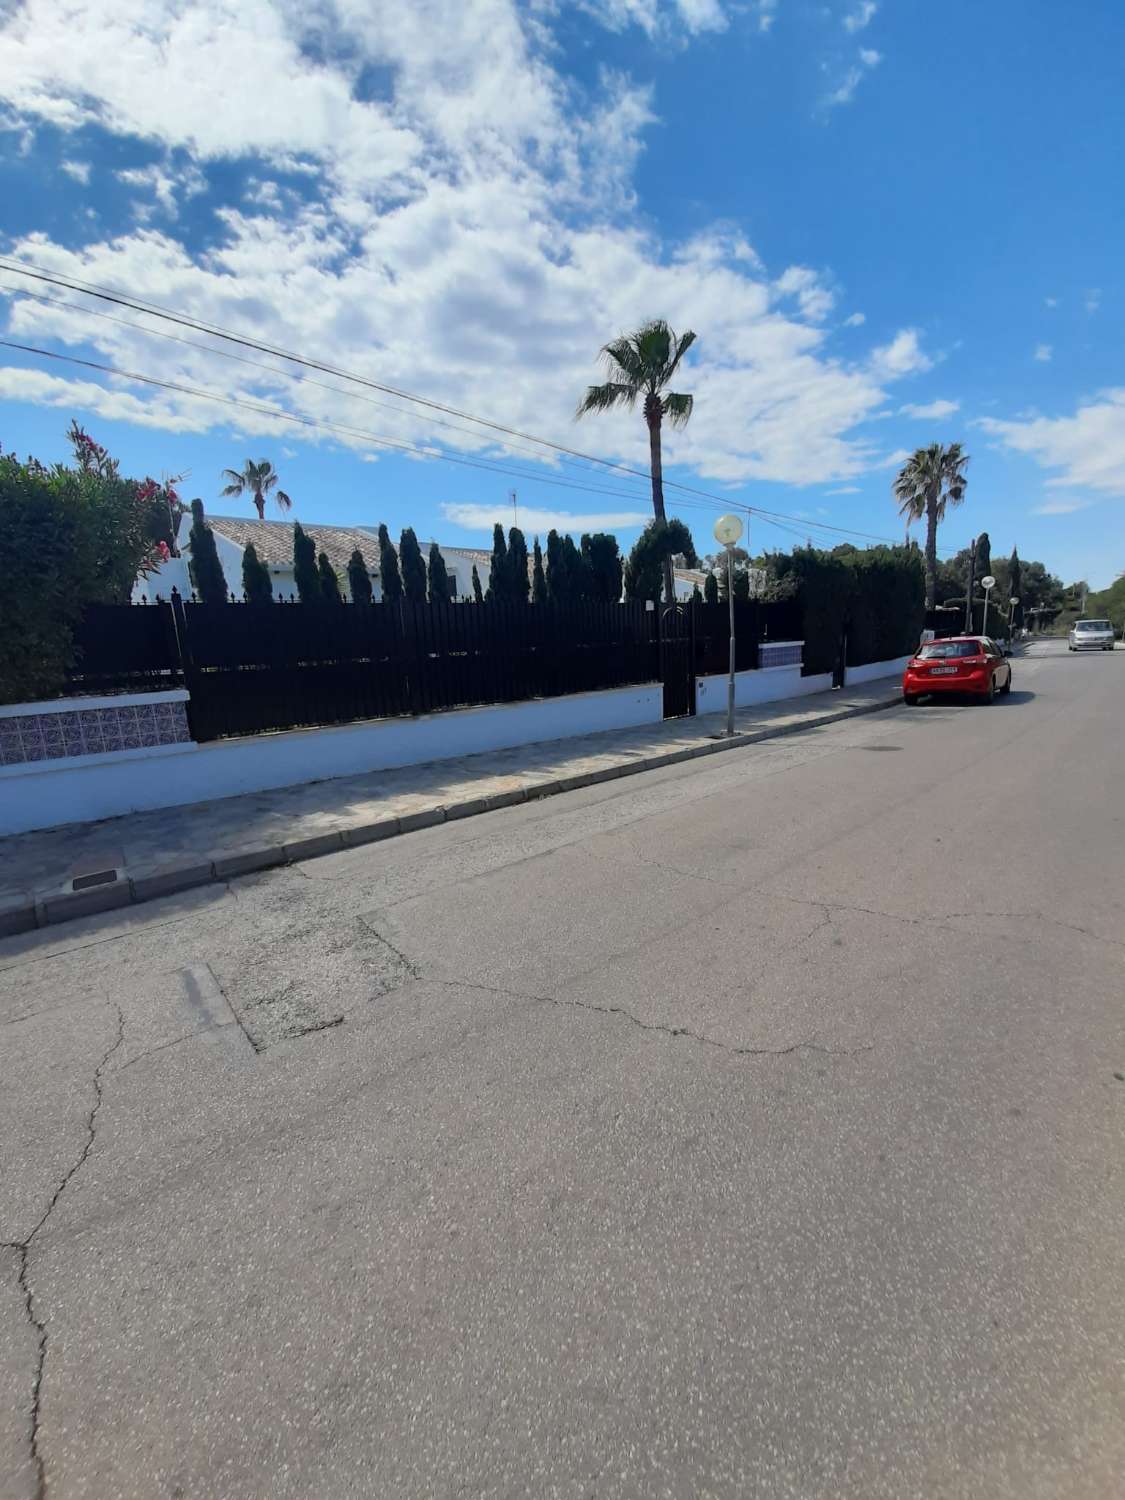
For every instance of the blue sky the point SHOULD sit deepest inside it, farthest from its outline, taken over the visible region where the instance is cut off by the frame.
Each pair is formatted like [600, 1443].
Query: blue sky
[889, 224]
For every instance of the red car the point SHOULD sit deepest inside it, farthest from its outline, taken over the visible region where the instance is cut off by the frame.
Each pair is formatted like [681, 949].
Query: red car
[971, 665]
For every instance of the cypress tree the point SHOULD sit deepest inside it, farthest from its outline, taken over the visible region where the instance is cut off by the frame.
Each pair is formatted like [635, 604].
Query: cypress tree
[538, 577]
[206, 569]
[711, 589]
[696, 596]
[601, 557]
[305, 574]
[498, 580]
[390, 579]
[557, 590]
[359, 579]
[329, 583]
[577, 573]
[413, 567]
[1015, 580]
[519, 582]
[438, 576]
[256, 584]
[984, 556]
[478, 596]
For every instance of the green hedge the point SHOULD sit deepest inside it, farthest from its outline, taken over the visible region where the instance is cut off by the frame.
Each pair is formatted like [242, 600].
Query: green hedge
[877, 596]
[68, 537]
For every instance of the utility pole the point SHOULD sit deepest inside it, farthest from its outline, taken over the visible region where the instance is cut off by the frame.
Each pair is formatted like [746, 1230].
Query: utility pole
[515, 508]
[972, 585]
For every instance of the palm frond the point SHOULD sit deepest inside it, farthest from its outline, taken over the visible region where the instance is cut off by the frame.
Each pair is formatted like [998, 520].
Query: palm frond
[654, 346]
[677, 408]
[283, 500]
[232, 489]
[606, 397]
[622, 358]
[683, 344]
[235, 478]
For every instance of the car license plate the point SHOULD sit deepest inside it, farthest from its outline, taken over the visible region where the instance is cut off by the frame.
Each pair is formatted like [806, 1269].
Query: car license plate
[943, 671]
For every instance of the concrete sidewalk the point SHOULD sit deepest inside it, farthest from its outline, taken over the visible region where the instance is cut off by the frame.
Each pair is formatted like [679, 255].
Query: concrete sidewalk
[146, 855]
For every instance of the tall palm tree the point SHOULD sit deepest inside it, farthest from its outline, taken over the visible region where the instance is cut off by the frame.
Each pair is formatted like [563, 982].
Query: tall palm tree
[929, 480]
[256, 480]
[642, 364]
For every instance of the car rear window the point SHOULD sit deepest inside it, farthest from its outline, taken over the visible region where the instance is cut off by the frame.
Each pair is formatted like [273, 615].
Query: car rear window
[1092, 625]
[935, 650]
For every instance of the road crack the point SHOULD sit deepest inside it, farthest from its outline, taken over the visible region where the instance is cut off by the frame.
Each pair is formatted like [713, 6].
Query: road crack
[664, 1028]
[23, 1249]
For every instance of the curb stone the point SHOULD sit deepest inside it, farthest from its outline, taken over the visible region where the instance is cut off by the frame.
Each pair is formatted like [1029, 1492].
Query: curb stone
[28, 914]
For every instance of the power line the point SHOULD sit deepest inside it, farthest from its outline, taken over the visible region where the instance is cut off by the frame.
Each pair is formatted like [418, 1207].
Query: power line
[92, 289]
[316, 422]
[257, 364]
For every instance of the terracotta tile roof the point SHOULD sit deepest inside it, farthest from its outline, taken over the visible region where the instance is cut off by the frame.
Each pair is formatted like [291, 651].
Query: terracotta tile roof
[273, 540]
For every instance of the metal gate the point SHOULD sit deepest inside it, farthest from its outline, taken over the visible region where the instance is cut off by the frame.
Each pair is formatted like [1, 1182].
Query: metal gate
[677, 660]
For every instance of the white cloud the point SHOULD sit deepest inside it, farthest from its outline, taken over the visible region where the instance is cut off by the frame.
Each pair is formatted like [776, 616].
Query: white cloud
[856, 320]
[814, 299]
[1050, 301]
[902, 356]
[169, 414]
[170, 188]
[1093, 299]
[1042, 353]
[861, 16]
[468, 235]
[78, 170]
[894, 460]
[767, 14]
[658, 17]
[484, 517]
[932, 411]
[1060, 507]
[1088, 449]
[844, 92]
[844, 489]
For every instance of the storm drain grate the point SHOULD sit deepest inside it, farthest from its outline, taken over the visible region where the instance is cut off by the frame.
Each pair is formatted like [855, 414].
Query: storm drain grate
[87, 882]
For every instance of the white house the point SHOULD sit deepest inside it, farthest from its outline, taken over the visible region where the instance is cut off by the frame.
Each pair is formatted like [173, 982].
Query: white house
[273, 542]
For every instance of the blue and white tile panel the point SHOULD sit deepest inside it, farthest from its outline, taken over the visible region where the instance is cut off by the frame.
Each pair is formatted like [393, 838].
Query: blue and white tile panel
[780, 653]
[45, 731]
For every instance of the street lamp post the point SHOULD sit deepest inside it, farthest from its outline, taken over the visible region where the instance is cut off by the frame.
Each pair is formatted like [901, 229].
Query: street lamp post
[987, 584]
[727, 531]
[1012, 602]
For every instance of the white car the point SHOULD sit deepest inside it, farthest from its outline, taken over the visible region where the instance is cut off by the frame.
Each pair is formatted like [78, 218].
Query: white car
[1090, 635]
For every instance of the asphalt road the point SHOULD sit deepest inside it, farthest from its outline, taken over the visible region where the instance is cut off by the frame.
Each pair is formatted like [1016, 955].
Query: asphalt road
[745, 1129]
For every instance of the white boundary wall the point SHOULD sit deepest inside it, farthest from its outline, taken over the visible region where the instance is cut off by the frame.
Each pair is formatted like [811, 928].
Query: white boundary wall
[42, 794]
[874, 671]
[769, 685]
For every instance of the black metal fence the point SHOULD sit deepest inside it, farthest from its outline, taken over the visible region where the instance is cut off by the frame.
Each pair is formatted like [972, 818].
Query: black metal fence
[125, 648]
[255, 668]
[754, 622]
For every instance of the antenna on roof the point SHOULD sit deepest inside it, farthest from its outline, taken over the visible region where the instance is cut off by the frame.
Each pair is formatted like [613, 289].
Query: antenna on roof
[515, 508]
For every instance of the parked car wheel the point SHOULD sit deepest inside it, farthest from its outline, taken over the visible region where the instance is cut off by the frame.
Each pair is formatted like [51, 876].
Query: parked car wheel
[910, 699]
[1007, 688]
[990, 694]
